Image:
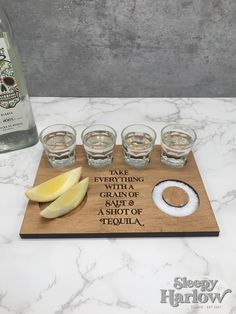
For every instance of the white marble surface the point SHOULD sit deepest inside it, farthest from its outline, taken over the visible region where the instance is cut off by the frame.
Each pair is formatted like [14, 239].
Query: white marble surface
[120, 276]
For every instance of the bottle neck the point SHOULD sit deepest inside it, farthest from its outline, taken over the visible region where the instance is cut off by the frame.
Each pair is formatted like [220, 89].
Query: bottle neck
[5, 25]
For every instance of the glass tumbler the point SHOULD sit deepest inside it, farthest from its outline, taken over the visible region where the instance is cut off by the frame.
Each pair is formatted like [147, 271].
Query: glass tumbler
[176, 143]
[59, 142]
[138, 141]
[99, 141]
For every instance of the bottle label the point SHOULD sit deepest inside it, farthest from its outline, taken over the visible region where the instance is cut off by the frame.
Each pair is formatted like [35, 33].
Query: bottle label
[12, 117]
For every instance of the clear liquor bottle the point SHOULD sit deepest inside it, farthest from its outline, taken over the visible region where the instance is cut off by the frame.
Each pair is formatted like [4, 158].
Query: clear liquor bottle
[17, 124]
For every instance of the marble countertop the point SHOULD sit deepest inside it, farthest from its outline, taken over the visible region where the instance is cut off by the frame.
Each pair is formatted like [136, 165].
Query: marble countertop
[124, 276]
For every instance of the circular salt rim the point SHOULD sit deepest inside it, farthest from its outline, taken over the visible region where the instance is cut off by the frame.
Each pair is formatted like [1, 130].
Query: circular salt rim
[186, 210]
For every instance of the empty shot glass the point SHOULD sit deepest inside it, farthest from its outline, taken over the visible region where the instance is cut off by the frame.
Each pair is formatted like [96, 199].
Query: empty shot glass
[59, 142]
[99, 141]
[176, 143]
[138, 141]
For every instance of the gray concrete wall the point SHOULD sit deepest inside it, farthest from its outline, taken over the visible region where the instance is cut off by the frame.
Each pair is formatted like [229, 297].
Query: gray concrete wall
[127, 47]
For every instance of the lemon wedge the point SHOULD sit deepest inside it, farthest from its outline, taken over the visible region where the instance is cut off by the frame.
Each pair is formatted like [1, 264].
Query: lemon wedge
[68, 201]
[51, 189]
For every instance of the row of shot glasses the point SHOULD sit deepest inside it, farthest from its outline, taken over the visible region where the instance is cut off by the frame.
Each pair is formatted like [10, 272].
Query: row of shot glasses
[59, 142]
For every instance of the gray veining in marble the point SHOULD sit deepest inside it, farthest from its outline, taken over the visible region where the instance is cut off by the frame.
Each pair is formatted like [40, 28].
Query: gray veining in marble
[139, 48]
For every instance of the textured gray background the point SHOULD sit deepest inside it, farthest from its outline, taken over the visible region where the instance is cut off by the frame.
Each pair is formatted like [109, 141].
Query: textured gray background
[127, 47]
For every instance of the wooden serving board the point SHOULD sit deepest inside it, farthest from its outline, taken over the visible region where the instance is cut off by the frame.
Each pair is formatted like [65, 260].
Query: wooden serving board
[119, 203]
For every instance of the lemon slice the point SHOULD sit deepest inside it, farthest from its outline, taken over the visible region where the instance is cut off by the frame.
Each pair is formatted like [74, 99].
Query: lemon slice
[51, 189]
[67, 201]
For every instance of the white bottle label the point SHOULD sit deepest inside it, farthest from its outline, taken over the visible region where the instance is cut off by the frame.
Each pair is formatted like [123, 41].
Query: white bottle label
[12, 118]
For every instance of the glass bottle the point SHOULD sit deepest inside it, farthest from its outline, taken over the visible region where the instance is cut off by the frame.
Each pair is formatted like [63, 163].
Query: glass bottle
[17, 125]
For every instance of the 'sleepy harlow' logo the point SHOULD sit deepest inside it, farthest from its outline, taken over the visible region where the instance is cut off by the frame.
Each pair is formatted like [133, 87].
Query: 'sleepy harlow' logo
[202, 292]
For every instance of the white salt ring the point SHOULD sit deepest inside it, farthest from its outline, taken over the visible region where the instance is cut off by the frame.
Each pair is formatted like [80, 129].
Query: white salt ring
[186, 210]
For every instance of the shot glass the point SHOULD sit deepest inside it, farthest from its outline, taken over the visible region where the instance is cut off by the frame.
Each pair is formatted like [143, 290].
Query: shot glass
[138, 141]
[59, 141]
[176, 143]
[99, 141]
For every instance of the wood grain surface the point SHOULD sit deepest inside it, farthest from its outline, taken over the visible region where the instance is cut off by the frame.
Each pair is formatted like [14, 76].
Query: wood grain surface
[119, 202]
[175, 196]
